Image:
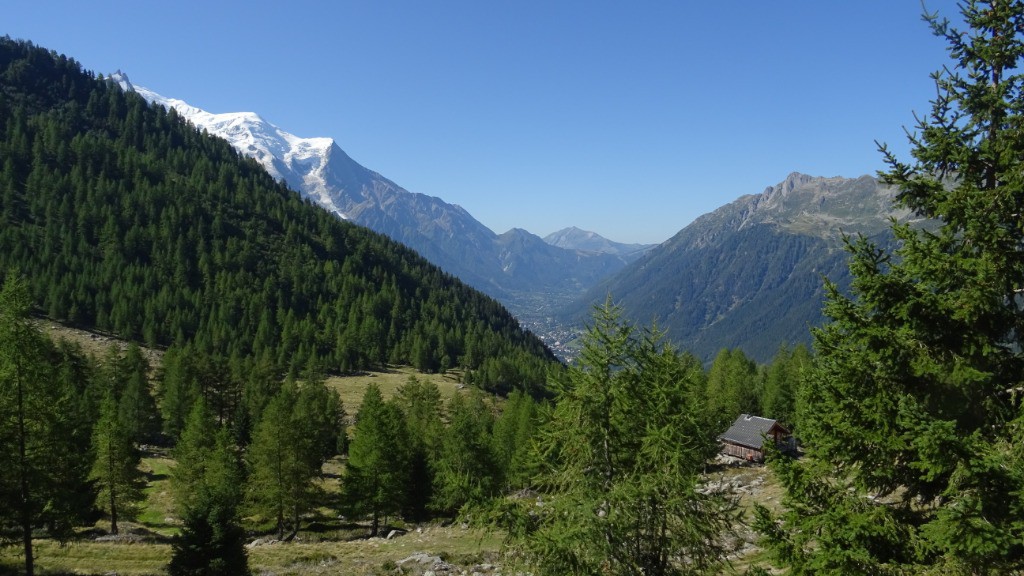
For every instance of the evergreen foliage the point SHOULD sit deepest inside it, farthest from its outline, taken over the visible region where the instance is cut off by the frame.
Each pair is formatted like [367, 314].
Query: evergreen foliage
[466, 472]
[782, 380]
[732, 387]
[191, 454]
[378, 461]
[321, 416]
[116, 469]
[912, 418]
[512, 439]
[420, 401]
[284, 460]
[44, 428]
[620, 491]
[125, 218]
[212, 541]
[137, 406]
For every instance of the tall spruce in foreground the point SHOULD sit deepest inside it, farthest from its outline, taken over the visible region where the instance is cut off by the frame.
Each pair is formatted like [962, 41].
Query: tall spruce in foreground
[622, 458]
[913, 418]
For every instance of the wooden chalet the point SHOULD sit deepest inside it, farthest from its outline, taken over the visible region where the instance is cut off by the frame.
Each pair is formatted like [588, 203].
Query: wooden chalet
[745, 438]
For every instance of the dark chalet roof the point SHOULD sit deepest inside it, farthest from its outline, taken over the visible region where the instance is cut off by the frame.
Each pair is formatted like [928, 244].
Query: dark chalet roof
[750, 431]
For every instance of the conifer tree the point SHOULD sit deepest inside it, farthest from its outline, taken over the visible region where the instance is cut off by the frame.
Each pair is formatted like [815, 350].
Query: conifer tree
[782, 380]
[319, 411]
[420, 401]
[912, 418]
[116, 468]
[212, 542]
[39, 460]
[136, 403]
[732, 387]
[191, 456]
[283, 463]
[512, 440]
[377, 471]
[466, 472]
[621, 459]
[466, 469]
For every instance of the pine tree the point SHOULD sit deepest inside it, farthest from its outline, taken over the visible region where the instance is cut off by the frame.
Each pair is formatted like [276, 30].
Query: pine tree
[621, 462]
[912, 418]
[116, 469]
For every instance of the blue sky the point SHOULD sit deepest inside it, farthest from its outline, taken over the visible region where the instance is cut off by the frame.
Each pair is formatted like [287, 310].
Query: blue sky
[629, 119]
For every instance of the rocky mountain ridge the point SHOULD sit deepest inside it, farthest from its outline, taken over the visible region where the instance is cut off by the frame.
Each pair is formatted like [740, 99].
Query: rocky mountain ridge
[749, 275]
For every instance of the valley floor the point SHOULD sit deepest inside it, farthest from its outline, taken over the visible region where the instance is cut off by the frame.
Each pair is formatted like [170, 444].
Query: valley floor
[328, 545]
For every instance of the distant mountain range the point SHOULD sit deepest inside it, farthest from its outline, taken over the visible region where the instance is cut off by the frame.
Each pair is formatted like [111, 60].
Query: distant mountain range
[749, 275]
[513, 267]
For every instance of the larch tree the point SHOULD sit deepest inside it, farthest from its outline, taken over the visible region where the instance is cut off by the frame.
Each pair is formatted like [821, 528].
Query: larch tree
[512, 438]
[376, 474]
[912, 419]
[283, 462]
[39, 425]
[421, 404]
[191, 456]
[621, 460]
[732, 387]
[212, 541]
[116, 467]
[136, 403]
[466, 472]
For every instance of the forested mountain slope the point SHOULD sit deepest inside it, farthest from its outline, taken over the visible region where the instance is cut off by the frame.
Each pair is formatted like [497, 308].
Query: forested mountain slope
[125, 218]
[750, 274]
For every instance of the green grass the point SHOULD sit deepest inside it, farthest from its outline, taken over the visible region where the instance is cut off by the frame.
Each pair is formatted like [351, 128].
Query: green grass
[158, 510]
[89, 557]
[352, 388]
[303, 557]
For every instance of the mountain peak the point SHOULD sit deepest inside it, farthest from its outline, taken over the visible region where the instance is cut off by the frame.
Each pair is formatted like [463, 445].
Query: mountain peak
[574, 238]
[121, 79]
[298, 161]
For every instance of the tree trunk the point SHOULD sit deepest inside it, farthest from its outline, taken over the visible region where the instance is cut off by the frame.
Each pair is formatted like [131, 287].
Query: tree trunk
[26, 501]
[113, 490]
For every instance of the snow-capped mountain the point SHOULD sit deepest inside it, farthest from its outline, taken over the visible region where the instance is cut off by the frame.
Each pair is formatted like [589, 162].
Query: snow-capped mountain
[444, 233]
[298, 161]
